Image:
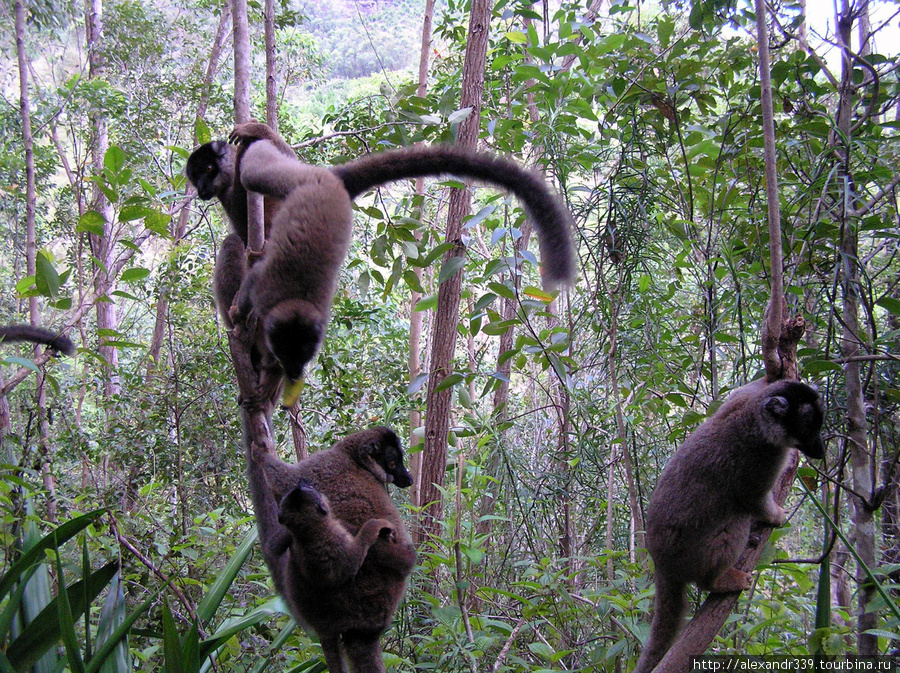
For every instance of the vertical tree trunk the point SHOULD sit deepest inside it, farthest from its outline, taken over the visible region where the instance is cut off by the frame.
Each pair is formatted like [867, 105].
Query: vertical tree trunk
[416, 318]
[34, 315]
[861, 461]
[101, 246]
[255, 230]
[443, 339]
[271, 71]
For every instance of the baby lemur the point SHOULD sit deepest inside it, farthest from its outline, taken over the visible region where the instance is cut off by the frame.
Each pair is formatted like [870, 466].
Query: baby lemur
[291, 290]
[714, 487]
[350, 616]
[323, 552]
[58, 342]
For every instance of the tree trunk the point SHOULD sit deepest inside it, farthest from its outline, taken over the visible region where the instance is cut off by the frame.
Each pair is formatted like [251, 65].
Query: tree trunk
[101, 246]
[416, 318]
[271, 62]
[45, 451]
[443, 339]
[255, 230]
[861, 461]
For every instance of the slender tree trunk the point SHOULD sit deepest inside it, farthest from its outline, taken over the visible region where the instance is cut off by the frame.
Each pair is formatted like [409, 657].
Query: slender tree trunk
[443, 340]
[101, 246]
[861, 460]
[416, 318]
[271, 71]
[255, 229]
[45, 452]
[637, 516]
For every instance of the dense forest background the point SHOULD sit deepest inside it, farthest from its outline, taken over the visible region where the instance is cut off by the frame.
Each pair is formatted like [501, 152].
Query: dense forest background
[565, 406]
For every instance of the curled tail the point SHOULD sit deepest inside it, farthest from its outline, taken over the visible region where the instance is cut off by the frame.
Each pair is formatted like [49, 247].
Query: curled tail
[546, 209]
[669, 609]
[58, 342]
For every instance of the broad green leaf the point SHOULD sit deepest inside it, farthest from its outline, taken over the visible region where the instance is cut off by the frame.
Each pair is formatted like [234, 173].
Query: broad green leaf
[112, 616]
[427, 303]
[172, 645]
[114, 159]
[459, 115]
[201, 131]
[450, 381]
[35, 554]
[67, 624]
[135, 274]
[91, 222]
[891, 304]
[450, 268]
[46, 279]
[43, 632]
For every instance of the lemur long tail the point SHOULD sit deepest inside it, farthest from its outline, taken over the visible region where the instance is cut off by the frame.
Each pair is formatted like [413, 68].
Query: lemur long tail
[546, 209]
[669, 610]
[39, 335]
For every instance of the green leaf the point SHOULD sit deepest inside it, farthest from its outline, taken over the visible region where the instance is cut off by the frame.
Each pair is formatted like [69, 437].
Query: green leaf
[121, 633]
[819, 366]
[201, 131]
[459, 115]
[135, 274]
[276, 645]
[67, 624]
[449, 382]
[172, 646]
[92, 222]
[132, 213]
[35, 554]
[112, 616]
[232, 627]
[450, 268]
[25, 284]
[23, 362]
[158, 223]
[114, 159]
[516, 37]
[889, 303]
[44, 630]
[46, 279]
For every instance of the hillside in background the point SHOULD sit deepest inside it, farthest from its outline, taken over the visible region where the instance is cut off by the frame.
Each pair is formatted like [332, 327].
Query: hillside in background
[357, 39]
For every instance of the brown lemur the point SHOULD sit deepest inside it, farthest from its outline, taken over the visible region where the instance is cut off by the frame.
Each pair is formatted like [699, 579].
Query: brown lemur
[323, 552]
[348, 616]
[211, 169]
[54, 340]
[290, 291]
[715, 486]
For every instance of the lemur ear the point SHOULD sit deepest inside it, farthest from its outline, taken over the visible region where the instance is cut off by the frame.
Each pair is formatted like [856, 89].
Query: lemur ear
[777, 406]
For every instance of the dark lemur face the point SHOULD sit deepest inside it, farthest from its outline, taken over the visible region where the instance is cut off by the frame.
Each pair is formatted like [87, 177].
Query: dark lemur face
[797, 409]
[303, 497]
[294, 331]
[210, 168]
[390, 456]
